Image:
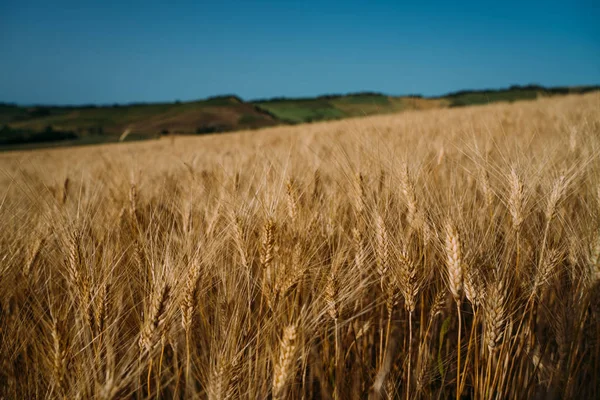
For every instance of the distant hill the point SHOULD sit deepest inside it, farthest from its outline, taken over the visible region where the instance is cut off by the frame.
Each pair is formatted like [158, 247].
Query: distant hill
[216, 114]
[294, 111]
[513, 93]
[38, 125]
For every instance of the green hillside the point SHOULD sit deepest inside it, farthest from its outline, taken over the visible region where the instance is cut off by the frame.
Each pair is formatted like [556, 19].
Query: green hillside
[514, 93]
[137, 121]
[322, 108]
[295, 111]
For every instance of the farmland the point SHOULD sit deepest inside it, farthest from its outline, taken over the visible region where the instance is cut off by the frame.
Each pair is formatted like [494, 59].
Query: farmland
[440, 252]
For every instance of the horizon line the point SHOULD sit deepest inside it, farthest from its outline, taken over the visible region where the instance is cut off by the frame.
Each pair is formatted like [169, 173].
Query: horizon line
[291, 98]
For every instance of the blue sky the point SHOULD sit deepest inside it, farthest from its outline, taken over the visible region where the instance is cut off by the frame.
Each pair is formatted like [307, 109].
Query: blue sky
[74, 52]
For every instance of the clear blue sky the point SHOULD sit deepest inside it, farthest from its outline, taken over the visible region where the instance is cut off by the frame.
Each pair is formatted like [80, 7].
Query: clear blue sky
[73, 52]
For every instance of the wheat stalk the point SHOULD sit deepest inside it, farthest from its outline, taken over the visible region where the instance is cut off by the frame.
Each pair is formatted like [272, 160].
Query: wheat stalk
[486, 190]
[222, 381]
[59, 357]
[292, 202]
[556, 194]
[408, 190]
[454, 264]
[65, 191]
[454, 261]
[593, 269]
[284, 367]
[543, 274]
[267, 245]
[516, 200]
[133, 203]
[154, 321]
[33, 256]
[102, 307]
[359, 193]
[188, 303]
[381, 248]
[474, 285]
[331, 296]
[408, 280]
[495, 314]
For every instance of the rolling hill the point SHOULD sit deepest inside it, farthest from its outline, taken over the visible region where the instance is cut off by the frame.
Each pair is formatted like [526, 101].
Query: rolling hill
[37, 125]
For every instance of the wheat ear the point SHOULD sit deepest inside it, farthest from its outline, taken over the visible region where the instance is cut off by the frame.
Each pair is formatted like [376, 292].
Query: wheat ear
[515, 201]
[454, 263]
[495, 314]
[382, 248]
[292, 202]
[284, 367]
[59, 357]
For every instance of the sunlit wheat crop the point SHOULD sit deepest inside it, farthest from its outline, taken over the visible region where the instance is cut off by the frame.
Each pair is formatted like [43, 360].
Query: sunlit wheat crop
[427, 254]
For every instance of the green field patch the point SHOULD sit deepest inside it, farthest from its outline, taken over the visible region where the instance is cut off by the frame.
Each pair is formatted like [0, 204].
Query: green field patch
[298, 111]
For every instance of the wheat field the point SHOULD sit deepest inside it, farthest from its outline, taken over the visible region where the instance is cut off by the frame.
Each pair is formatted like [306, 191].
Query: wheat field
[430, 254]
